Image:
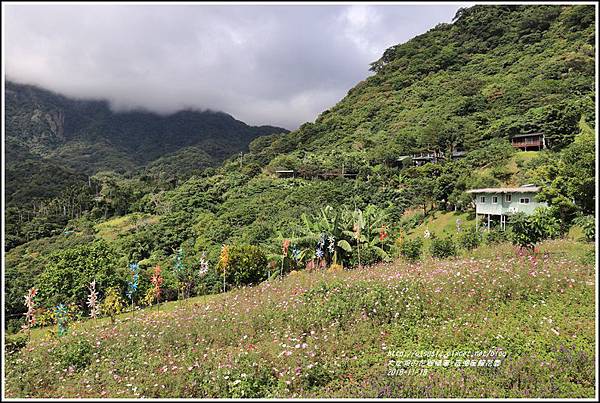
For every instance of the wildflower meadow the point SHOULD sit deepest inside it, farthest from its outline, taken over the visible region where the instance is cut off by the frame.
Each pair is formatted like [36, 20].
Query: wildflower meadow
[490, 323]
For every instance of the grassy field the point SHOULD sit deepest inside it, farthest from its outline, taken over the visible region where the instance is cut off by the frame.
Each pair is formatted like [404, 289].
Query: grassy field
[529, 320]
[111, 229]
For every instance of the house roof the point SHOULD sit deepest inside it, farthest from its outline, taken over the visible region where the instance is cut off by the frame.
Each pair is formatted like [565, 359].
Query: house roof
[526, 135]
[403, 157]
[521, 189]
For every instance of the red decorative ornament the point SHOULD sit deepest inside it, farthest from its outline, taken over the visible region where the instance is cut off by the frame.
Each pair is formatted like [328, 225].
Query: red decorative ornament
[382, 233]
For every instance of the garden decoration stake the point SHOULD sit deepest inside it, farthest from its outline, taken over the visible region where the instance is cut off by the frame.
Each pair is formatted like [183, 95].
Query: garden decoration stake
[92, 300]
[296, 254]
[132, 285]
[30, 314]
[203, 265]
[319, 255]
[157, 281]
[61, 319]
[357, 236]
[331, 248]
[179, 269]
[382, 235]
[284, 249]
[224, 261]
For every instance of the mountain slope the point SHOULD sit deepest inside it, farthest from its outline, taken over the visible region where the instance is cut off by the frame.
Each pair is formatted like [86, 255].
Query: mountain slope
[510, 69]
[496, 71]
[86, 136]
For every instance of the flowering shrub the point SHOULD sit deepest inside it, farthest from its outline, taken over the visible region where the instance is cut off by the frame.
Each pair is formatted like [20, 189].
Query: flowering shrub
[45, 317]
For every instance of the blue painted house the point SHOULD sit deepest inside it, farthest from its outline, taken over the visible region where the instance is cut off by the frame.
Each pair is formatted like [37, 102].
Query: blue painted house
[498, 203]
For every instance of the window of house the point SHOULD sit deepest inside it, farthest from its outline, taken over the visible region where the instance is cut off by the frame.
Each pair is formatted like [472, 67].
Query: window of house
[508, 198]
[482, 199]
[495, 200]
[524, 200]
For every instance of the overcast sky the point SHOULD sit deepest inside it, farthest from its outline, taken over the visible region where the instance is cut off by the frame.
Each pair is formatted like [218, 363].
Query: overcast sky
[279, 65]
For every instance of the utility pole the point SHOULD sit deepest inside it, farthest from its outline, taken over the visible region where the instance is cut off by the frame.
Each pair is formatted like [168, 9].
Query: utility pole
[241, 158]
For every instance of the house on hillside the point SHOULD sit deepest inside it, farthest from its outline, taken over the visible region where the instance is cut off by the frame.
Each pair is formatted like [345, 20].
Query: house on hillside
[458, 154]
[403, 161]
[424, 158]
[498, 203]
[285, 173]
[529, 141]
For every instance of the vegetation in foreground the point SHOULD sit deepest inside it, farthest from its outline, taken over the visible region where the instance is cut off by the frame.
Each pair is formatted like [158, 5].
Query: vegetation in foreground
[330, 333]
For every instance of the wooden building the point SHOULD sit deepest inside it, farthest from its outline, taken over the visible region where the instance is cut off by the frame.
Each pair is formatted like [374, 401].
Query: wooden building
[529, 141]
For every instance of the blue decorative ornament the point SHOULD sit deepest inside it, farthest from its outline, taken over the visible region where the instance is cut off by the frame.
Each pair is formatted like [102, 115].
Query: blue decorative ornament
[296, 253]
[322, 241]
[61, 319]
[132, 286]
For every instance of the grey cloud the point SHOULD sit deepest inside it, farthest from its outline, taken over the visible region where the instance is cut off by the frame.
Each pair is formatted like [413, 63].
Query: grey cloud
[279, 65]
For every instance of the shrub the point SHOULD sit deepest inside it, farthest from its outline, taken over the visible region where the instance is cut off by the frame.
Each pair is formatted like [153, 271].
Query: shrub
[69, 271]
[588, 225]
[494, 236]
[14, 325]
[15, 342]
[246, 264]
[411, 249]
[113, 303]
[74, 353]
[469, 239]
[527, 230]
[368, 256]
[442, 247]
[412, 222]
[210, 283]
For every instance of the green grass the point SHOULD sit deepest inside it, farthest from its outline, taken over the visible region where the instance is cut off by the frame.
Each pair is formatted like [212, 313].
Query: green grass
[440, 222]
[320, 334]
[46, 332]
[525, 156]
[111, 229]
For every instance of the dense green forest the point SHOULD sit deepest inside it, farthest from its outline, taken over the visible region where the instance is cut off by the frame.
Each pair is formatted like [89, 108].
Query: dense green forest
[494, 72]
[55, 145]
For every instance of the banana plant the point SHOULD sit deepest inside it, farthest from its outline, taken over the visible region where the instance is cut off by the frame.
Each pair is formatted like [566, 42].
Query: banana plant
[326, 230]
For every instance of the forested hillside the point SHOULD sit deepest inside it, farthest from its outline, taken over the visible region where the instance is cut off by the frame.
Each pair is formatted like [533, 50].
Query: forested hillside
[86, 137]
[56, 145]
[495, 71]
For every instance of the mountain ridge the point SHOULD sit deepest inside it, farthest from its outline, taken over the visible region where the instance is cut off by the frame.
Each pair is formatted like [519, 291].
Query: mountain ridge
[86, 136]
